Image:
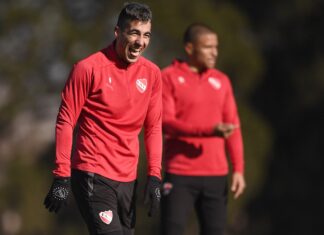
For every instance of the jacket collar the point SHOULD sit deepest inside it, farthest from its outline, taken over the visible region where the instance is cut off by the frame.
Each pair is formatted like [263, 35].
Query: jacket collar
[111, 53]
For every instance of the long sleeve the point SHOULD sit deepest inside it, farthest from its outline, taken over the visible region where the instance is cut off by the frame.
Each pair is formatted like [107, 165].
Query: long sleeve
[153, 130]
[74, 96]
[234, 143]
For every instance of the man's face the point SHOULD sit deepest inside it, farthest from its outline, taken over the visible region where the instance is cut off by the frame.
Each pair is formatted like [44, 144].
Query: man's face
[203, 52]
[132, 40]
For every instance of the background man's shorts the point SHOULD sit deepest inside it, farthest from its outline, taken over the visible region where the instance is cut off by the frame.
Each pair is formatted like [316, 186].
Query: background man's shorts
[106, 205]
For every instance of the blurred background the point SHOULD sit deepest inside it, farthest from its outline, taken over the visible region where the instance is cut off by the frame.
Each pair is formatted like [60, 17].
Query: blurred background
[273, 52]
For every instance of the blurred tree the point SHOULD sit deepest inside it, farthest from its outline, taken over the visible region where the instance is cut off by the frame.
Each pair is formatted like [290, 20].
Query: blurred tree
[291, 99]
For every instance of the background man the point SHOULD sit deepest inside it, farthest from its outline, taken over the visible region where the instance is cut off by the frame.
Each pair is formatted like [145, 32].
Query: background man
[200, 119]
[110, 94]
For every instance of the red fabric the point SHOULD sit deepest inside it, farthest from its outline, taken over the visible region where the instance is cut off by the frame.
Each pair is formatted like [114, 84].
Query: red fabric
[111, 102]
[193, 104]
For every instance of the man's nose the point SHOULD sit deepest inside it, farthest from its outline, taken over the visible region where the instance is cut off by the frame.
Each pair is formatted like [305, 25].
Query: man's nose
[139, 40]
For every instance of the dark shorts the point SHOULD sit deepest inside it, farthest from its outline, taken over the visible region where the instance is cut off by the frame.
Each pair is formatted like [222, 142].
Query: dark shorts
[207, 195]
[105, 205]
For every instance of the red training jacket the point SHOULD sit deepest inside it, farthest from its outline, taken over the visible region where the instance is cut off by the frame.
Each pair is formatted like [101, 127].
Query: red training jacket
[111, 102]
[193, 104]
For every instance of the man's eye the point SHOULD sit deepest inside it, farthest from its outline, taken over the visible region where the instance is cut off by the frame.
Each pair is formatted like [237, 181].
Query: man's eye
[133, 32]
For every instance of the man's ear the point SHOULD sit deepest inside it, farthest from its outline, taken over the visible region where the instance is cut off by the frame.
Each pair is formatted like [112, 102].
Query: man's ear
[189, 48]
[116, 31]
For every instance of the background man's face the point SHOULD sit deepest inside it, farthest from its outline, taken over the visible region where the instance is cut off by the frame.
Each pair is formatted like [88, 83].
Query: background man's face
[204, 51]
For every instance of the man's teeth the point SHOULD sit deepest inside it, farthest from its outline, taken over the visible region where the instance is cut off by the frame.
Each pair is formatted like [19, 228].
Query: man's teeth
[134, 50]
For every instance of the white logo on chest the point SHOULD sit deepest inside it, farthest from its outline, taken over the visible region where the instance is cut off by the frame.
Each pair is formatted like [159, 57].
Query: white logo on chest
[215, 83]
[141, 85]
[109, 83]
[106, 216]
[181, 80]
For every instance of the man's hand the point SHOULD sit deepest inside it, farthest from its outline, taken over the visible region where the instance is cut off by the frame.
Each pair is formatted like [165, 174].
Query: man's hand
[58, 194]
[152, 194]
[224, 129]
[238, 184]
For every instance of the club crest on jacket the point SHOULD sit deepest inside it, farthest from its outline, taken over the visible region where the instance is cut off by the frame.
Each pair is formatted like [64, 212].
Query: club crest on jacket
[141, 85]
[106, 216]
[215, 83]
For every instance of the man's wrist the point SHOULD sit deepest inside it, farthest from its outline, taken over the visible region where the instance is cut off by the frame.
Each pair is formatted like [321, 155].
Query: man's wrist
[154, 178]
[62, 179]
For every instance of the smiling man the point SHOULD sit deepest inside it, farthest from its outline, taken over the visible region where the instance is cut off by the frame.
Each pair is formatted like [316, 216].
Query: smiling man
[111, 95]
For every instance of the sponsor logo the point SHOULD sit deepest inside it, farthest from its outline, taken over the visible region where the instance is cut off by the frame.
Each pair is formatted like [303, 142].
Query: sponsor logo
[141, 85]
[60, 193]
[106, 216]
[215, 83]
[166, 189]
[109, 83]
[158, 194]
[181, 80]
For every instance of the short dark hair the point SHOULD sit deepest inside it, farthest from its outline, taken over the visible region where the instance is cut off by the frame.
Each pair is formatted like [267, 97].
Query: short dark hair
[194, 30]
[134, 11]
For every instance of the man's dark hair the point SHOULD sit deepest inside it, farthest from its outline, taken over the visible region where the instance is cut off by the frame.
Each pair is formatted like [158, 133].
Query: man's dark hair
[134, 11]
[194, 30]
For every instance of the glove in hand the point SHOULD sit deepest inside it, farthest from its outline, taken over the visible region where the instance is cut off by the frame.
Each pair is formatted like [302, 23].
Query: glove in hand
[58, 194]
[152, 195]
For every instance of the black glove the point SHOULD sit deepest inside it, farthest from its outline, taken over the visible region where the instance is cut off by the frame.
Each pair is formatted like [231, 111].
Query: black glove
[58, 194]
[152, 194]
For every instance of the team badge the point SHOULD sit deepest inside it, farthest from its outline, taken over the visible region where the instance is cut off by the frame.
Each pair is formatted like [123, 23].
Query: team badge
[215, 83]
[106, 216]
[166, 189]
[141, 85]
